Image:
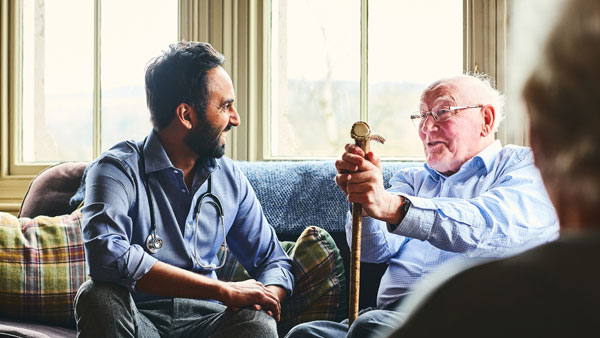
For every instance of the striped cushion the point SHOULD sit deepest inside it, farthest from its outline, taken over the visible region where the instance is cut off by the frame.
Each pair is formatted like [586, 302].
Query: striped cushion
[320, 288]
[42, 264]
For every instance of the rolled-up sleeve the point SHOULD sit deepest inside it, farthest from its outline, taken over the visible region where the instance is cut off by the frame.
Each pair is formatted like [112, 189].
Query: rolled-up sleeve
[107, 228]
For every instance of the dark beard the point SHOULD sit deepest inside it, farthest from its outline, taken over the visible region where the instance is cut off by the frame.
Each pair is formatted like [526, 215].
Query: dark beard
[204, 140]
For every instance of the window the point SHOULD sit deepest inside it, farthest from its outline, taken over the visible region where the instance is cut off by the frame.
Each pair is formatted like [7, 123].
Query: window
[82, 75]
[324, 76]
[71, 80]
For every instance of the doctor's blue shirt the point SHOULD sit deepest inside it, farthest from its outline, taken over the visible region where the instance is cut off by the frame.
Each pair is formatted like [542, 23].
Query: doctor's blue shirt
[495, 205]
[116, 219]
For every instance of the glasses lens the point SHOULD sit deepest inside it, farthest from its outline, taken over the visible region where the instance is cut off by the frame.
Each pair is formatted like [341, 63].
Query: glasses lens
[441, 114]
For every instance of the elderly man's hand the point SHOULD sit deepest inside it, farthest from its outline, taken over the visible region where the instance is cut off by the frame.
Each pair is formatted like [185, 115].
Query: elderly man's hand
[361, 179]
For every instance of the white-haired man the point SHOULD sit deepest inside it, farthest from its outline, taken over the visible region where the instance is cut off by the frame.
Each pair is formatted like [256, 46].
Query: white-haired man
[473, 198]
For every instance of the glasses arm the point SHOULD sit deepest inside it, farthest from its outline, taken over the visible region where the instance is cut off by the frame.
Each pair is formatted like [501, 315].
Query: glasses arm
[465, 107]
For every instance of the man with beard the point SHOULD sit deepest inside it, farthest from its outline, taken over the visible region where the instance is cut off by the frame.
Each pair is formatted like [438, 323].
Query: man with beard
[157, 212]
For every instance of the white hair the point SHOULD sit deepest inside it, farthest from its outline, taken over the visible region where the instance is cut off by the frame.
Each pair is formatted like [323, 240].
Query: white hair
[497, 99]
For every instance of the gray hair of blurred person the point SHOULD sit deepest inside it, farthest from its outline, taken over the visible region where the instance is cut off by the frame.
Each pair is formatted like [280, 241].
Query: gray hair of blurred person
[563, 100]
[488, 85]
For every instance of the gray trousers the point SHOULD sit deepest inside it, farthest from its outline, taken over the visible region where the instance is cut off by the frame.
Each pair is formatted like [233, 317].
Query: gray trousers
[108, 310]
[369, 323]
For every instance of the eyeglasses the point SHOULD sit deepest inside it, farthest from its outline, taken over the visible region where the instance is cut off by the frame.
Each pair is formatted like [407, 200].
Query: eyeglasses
[440, 114]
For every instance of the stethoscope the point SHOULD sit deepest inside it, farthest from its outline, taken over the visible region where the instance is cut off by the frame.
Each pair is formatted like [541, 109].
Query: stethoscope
[154, 242]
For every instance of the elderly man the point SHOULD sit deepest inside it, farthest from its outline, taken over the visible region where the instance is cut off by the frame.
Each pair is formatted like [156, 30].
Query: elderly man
[551, 290]
[473, 198]
[157, 211]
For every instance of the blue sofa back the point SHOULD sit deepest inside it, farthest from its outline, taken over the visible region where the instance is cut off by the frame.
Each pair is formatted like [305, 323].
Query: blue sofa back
[297, 194]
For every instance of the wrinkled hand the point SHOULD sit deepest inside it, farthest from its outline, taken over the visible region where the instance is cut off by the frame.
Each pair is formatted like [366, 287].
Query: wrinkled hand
[361, 179]
[251, 293]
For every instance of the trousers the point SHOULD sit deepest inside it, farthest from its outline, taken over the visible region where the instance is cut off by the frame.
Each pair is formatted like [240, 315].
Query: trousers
[108, 310]
[369, 323]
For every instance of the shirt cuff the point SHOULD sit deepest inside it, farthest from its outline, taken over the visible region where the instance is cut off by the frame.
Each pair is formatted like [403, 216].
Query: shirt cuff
[138, 263]
[418, 221]
[280, 277]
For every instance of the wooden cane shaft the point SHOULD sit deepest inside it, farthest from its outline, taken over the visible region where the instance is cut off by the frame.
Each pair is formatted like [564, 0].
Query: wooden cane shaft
[355, 262]
[355, 251]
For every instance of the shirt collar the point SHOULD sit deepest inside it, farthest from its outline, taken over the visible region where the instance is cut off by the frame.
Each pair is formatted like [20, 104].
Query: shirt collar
[156, 158]
[486, 158]
[488, 155]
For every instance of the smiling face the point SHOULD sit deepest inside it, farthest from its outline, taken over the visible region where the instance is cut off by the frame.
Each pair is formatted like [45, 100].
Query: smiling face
[207, 137]
[448, 145]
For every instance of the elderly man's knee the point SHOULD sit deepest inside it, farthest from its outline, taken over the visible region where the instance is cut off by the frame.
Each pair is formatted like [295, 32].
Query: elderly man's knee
[374, 323]
[300, 330]
[319, 328]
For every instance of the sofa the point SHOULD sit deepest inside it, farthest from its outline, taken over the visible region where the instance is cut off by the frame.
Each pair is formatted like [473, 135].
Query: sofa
[293, 195]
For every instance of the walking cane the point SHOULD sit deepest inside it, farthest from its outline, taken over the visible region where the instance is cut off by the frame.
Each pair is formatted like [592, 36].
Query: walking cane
[361, 133]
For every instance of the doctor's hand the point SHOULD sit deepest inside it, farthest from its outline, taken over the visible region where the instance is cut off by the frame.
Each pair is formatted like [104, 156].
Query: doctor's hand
[250, 293]
[279, 291]
[361, 179]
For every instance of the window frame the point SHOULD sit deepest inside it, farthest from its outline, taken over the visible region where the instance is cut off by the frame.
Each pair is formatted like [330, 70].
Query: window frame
[484, 36]
[240, 30]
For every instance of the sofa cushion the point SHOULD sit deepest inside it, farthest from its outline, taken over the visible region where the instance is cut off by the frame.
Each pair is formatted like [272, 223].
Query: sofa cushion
[50, 191]
[320, 287]
[294, 195]
[23, 329]
[42, 264]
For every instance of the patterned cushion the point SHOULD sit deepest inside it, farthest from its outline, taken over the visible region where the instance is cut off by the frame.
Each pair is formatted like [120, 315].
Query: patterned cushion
[42, 264]
[319, 292]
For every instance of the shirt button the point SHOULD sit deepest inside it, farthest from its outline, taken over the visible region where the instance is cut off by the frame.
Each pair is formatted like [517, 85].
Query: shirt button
[176, 172]
[182, 190]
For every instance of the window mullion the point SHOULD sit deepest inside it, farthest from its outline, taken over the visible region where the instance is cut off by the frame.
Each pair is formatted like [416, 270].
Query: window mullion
[97, 109]
[364, 58]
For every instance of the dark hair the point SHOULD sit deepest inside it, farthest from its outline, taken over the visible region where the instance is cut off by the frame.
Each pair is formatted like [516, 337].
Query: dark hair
[179, 76]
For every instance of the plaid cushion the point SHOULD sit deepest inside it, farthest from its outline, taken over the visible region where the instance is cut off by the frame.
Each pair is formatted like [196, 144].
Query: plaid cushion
[319, 291]
[42, 264]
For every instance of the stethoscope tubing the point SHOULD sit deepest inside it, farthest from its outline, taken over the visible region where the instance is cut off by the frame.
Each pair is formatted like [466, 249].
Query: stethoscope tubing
[154, 242]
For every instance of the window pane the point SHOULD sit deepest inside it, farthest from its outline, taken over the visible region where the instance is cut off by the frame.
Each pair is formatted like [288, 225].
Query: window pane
[133, 32]
[315, 80]
[411, 44]
[57, 80]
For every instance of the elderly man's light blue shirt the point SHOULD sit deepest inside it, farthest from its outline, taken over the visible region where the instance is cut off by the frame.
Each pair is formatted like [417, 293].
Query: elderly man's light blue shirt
[495, 205]
[116, 219]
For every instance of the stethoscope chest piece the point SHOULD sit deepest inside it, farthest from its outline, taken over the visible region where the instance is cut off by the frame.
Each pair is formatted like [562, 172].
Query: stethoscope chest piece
[154, 243]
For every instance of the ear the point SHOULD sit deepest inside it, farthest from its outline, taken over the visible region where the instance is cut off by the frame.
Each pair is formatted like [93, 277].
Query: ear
[489, 117]
[184, 114]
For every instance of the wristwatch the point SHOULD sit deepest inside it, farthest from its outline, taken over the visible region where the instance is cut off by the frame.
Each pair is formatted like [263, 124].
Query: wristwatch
[405, 206]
